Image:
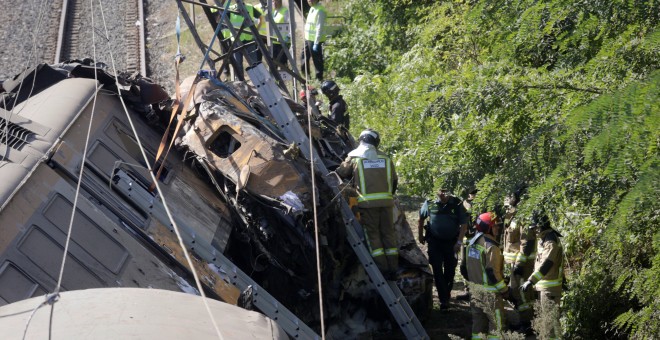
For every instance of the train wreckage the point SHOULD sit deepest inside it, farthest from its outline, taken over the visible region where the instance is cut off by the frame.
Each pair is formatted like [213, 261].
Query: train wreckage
[234, 184]
[115, 172]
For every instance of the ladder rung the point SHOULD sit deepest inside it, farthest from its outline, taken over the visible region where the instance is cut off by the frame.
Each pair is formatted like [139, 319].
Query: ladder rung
[390, 293]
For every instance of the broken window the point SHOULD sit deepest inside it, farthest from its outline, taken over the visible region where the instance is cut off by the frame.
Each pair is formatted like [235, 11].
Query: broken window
[224, 144]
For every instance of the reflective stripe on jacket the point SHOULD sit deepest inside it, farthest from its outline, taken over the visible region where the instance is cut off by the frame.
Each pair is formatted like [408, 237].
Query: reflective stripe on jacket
[550, 249]
[374, 181]
[482, 255]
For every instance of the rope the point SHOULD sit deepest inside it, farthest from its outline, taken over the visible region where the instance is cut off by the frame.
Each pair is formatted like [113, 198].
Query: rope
[54, 297]
[155, 181]
[311, 165]
[82, 166]
[41, 12]
[50, 300]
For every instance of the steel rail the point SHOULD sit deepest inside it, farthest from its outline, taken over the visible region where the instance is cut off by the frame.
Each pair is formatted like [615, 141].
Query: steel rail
[71, 41]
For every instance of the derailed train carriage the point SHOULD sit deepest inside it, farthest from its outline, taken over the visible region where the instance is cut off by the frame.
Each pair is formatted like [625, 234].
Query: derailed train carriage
[233, 185]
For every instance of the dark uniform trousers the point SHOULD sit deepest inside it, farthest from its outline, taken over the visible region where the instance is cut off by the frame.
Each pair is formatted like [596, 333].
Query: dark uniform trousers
[443, 260]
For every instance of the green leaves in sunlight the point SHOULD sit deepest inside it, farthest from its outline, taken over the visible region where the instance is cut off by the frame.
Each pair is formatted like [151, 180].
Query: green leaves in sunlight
[560, 96]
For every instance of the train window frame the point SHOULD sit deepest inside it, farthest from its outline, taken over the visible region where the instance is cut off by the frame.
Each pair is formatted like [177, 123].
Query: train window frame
[232, 142]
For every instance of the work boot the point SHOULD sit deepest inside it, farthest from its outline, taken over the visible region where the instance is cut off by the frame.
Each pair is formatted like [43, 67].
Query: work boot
[526, 328]
[465, 296]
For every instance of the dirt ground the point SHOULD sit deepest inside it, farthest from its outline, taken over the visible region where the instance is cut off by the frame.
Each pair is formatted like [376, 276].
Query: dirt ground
[441, 324]
[457, 322]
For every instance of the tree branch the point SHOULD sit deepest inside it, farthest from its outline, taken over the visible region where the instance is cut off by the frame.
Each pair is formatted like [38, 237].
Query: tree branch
[563, 87]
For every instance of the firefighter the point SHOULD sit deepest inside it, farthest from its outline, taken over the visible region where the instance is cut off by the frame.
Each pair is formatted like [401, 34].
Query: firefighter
[444, 234]
[337, 104]
[315, 105]
[548, 271]
[314, 37]
[519, 253]
[483, 264]
[374, 179]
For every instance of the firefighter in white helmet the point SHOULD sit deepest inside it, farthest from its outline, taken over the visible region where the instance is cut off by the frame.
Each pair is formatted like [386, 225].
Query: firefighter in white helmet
[374, 179]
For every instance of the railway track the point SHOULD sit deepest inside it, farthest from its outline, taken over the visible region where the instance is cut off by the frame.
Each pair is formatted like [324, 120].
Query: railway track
[82, 33]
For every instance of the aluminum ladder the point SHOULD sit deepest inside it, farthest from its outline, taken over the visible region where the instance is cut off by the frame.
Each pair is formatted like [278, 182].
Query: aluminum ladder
[132, 190]
[294, 133]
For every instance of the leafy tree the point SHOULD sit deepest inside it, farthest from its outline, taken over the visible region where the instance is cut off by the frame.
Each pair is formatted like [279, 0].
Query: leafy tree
[560, 95]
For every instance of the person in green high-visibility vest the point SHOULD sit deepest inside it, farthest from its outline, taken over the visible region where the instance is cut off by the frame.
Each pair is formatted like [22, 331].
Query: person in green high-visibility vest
[280, 16]
[252, 52]
[314, 37]
[373, 178]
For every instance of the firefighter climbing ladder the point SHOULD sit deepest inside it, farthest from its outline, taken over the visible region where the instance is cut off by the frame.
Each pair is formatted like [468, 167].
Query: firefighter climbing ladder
[292, 130]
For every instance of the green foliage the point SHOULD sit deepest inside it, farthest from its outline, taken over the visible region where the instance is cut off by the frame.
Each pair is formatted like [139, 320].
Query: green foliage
[560, 95]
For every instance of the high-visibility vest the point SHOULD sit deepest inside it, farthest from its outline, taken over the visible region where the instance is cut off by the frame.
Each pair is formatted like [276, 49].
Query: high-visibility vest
[279, 17]
[476, 263]
[312, 20]
[375, 181]
[263, 29]
[237, 21]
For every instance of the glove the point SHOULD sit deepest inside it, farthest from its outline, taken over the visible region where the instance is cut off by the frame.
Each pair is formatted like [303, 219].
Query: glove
[517, 270]
[316, 47]
[525, 286]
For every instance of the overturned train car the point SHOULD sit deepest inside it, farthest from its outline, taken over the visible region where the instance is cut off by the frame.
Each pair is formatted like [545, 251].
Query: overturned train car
[232, 183]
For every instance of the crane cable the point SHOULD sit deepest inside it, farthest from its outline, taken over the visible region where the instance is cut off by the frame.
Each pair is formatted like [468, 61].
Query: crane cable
[38, 26]
[53, 297]
[49, 298]
[311, 164]
[165, 205]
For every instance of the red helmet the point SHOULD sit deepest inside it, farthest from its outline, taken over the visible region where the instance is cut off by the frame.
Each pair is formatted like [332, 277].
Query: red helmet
[303, 95]
[485, 222]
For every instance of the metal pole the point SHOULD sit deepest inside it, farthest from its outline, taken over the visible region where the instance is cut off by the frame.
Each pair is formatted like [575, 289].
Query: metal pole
[292, 35]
